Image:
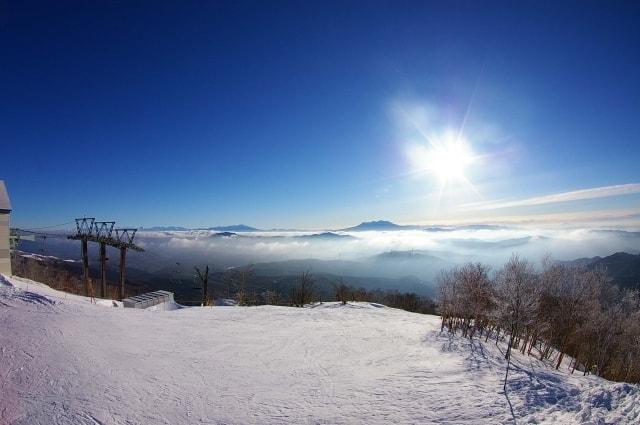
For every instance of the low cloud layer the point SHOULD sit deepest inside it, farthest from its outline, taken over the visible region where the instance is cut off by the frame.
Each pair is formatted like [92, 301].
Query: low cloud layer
[419, 254]
[487, 244]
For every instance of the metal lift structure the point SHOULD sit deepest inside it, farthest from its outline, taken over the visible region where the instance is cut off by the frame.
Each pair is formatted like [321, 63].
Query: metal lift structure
[103, 233]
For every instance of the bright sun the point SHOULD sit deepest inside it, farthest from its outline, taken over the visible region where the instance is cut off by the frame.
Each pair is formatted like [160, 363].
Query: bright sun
[448, 161]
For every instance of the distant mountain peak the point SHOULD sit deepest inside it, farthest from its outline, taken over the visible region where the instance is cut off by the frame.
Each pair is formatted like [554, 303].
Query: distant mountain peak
[325, 236]
[622, 267]
[234, 228]
[224, 235]
[165, 228]
[376, 225]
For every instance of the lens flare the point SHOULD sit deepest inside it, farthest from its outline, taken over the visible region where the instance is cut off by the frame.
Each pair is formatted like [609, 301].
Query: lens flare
[449, 161]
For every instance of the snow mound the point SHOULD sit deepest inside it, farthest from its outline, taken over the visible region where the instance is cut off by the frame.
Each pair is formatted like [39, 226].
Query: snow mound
[68, 361]
[108, 303]
[9, 292]
[167, 306]
[46, 258]
[350, 304]
[222, 302]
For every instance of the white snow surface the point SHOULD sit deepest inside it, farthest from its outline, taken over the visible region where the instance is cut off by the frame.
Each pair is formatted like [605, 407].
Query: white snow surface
[66, 360]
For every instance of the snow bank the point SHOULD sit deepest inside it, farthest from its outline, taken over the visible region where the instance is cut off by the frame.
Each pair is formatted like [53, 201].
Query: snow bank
[64, 360]
[166, 306]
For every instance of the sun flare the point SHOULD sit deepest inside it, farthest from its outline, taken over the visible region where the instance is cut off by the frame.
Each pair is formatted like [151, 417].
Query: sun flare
[449, 161]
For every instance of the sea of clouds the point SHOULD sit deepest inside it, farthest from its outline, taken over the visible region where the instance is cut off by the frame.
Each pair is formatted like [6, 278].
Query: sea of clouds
[491, 244]
[383, 254]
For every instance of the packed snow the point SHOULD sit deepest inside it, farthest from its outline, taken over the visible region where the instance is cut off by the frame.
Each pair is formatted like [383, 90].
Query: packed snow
[65, 359]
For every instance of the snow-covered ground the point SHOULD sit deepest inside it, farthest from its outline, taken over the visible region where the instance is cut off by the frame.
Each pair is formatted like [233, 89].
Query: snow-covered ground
[64, 360]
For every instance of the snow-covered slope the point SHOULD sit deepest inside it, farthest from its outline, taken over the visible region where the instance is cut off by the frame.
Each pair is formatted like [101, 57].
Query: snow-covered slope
[64, 360]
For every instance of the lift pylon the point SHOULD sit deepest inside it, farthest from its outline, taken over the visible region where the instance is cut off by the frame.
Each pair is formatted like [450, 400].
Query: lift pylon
[103, 232]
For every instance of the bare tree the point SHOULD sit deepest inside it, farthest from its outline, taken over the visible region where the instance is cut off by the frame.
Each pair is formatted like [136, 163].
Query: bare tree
[447, 299]
[237, 279]
[204, 279]
[271, 297]
[569, 296]
[516, 299]
[476, 296]
[342, 292]
[303, 290]
[466, 298]
[516, 296]
[562, 311]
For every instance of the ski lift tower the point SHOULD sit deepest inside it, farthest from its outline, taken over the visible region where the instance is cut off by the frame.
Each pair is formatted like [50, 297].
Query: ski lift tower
[5, 210]
[124, 240]
[102, 232]
[84, 232]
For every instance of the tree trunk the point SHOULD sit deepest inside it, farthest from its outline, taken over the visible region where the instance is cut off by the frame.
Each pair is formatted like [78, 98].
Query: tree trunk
[532, 343]
[204, 279]
[511, 337]
[543, 352]
[561, 356]
[575, 362]
[524, 343]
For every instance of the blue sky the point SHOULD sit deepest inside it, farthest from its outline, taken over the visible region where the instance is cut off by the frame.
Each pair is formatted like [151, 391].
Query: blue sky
[314, 114]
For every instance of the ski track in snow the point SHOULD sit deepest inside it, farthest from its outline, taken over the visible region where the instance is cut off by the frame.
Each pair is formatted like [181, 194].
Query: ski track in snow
[64, 360]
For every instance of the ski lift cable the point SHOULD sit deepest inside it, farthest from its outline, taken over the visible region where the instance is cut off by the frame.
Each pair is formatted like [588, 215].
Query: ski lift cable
[49, 227]
[42, 234]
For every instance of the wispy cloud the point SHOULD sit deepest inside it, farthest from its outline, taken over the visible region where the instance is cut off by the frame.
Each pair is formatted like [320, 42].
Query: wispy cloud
[576, 195]
[587, 218]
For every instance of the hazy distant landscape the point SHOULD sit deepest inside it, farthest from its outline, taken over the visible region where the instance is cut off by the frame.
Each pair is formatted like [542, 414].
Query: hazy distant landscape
[373, 255]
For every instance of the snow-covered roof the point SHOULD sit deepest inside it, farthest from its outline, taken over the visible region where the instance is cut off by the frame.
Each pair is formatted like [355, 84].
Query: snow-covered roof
[5, 205]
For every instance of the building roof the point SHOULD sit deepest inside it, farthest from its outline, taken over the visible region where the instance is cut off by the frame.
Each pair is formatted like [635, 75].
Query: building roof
[5, 204]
